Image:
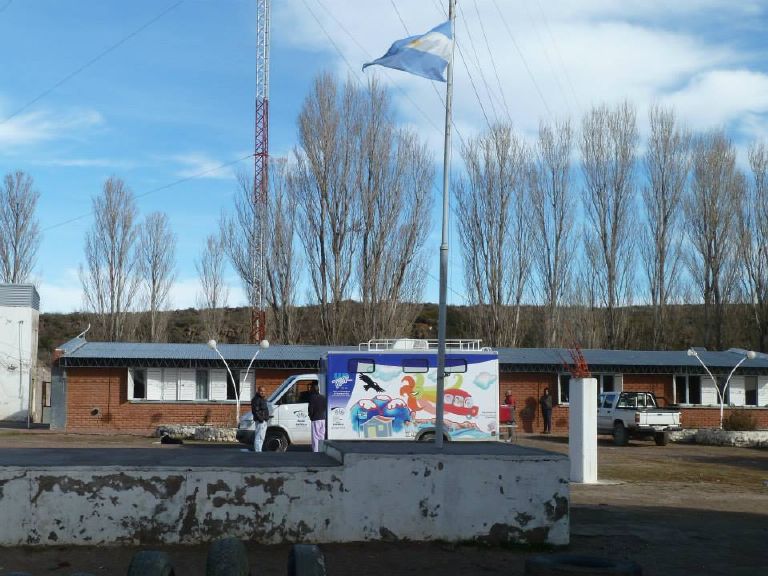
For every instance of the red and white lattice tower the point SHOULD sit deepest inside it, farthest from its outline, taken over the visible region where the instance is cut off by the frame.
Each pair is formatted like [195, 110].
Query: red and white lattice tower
[261, 171]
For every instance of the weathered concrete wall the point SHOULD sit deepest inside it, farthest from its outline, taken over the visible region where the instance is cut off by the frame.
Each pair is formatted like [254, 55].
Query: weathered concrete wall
[513, 496]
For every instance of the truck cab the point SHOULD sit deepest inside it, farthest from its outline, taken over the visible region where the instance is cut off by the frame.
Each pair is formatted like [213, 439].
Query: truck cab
[636, 415]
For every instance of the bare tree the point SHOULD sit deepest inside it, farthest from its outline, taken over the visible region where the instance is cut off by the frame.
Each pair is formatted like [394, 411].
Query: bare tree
[667, 165]
[553, 210]
[608, 148]
[281, 256]
[19, 231]
[711, 211]
[327, 197]
[754, 241]
[394, 179]
[109, 277]
[213, 295]
[494, 231]
[241, 237]
[157, 262]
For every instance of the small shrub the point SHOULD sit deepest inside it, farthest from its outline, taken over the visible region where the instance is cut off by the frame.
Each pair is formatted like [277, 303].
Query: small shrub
[740, 421]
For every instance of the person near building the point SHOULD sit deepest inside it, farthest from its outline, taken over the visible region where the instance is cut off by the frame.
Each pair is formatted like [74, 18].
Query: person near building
[317, 413]
[546, 410]
[511, 404]
[260, 411]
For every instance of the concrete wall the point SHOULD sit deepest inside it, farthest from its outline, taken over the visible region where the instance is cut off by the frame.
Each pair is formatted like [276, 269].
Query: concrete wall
[16, 382]
[500, 493]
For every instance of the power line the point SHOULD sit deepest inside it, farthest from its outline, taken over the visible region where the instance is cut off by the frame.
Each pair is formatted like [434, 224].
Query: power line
[493, 63]
[92, 61]
[478, 65]
[158, 189]
[5, 7]
[522, 57]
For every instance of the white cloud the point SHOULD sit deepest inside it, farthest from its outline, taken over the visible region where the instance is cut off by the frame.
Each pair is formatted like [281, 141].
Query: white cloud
[200, 165]
[63, 294]
[46, 125]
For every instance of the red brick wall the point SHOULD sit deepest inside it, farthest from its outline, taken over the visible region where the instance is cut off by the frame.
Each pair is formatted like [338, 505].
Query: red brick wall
[106, 389]
[709, 417]
[527, 389]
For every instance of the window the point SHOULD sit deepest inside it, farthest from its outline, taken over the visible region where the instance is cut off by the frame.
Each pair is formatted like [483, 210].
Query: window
[725, 394]
[362, 366]
[455, 365]
[688, 389]
[233, 388]
[606, 383]
[139, 384]
[750, 390]
[415, 365]
[201, 385]
[563, 388]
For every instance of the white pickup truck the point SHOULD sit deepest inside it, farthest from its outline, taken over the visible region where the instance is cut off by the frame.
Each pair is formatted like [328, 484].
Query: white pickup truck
[628, 415]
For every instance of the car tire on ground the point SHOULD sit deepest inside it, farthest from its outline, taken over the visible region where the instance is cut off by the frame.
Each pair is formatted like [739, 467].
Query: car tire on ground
[227, 557]
[150, 563]
[573, 564]
[306, 560]
[620, 434]
[661, 438]
[275, 441]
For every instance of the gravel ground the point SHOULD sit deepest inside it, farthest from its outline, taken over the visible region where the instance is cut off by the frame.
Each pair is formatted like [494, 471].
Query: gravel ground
[676, 510]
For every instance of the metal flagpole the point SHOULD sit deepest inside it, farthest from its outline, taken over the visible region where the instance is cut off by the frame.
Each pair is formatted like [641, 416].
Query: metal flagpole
[439, 426]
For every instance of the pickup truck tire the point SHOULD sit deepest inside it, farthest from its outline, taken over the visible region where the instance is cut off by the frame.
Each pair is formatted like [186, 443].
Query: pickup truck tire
[620, 434]
[275, 441]
[661, 438]
[573, 564]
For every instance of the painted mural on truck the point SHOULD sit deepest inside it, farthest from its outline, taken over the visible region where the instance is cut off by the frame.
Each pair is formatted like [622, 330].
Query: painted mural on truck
[393, 395]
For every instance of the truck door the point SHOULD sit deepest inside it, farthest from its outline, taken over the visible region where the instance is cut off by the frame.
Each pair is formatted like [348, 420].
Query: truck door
[605, 411]
[291, 411]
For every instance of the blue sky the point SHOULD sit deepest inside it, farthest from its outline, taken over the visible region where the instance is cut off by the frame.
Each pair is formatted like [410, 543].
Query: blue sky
[176, 99]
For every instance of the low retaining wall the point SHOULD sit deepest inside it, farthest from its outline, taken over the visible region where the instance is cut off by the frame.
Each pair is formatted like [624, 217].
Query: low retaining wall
[206, 433]
[717, 437]
[378, 491]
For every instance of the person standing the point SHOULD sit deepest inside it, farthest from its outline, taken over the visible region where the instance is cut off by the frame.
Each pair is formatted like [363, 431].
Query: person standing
[260, 411]
[546, 410]
[317, 414]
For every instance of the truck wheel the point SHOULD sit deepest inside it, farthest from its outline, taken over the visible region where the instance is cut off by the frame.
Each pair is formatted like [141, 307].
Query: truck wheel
[572, 564]
[620, 435]
[227, 557]
[150, 563]
[661, 438]
[275, 441]
[306, 560]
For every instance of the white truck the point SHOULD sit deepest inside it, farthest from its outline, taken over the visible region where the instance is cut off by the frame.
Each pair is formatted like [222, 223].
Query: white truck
[386, 389]
[627, 415]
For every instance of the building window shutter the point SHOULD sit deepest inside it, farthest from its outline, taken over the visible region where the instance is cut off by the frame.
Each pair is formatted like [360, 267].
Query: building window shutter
[246, 386]
[709, 396]
[218, 384]
[170, 383]
[187, 384]
[154, 384]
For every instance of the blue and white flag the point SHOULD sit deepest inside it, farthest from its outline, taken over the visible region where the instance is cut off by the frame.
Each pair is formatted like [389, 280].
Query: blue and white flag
[426, 55]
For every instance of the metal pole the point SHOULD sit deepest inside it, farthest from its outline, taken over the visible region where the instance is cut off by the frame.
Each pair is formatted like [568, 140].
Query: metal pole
[725, 389]
[439, 426]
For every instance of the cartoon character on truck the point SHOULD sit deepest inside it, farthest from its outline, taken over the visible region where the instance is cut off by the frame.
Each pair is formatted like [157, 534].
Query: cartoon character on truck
[385, 390]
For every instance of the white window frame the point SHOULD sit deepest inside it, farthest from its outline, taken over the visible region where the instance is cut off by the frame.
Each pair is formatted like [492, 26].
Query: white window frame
[688, 389]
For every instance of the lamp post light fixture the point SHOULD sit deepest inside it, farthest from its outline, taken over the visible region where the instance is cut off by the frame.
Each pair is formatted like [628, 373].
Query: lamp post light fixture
[214, 346]
[748, 355]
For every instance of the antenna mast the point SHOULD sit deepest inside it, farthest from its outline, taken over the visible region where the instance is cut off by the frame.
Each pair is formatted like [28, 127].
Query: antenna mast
[261, 172]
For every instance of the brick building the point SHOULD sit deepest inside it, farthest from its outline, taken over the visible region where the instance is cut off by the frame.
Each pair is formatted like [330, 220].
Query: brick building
[126, 387]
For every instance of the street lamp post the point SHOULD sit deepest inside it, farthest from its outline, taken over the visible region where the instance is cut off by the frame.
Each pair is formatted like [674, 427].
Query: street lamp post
[214, 346]
[749, 355]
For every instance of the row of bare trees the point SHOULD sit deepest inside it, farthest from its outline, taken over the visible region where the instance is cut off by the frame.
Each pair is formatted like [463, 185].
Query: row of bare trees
[680, 222]
[128, 265]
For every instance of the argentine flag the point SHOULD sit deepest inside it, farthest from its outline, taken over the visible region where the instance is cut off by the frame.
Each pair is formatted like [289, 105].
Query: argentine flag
[426, 55]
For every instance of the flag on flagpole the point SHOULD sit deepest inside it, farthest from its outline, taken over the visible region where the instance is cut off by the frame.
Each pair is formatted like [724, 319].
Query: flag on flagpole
[426, 55]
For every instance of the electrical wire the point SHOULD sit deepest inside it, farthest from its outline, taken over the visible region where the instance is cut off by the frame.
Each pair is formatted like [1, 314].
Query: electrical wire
[522, 57]
[478, 65]
[493, 63]
[158, 189]
[5, 7]
[92, 61]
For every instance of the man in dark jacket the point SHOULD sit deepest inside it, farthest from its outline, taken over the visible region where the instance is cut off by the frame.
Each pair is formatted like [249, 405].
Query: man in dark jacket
[260, 411]
[546, 410]
[317, 413]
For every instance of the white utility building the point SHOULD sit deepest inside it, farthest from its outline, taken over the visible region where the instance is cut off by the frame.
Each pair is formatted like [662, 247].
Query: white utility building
[19, 317]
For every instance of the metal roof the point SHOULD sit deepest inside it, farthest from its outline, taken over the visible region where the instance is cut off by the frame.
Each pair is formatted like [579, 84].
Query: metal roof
[79, 352]
[19, 295]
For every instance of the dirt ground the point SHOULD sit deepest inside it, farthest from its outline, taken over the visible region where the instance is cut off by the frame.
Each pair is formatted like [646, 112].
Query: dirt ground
[676, 510]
